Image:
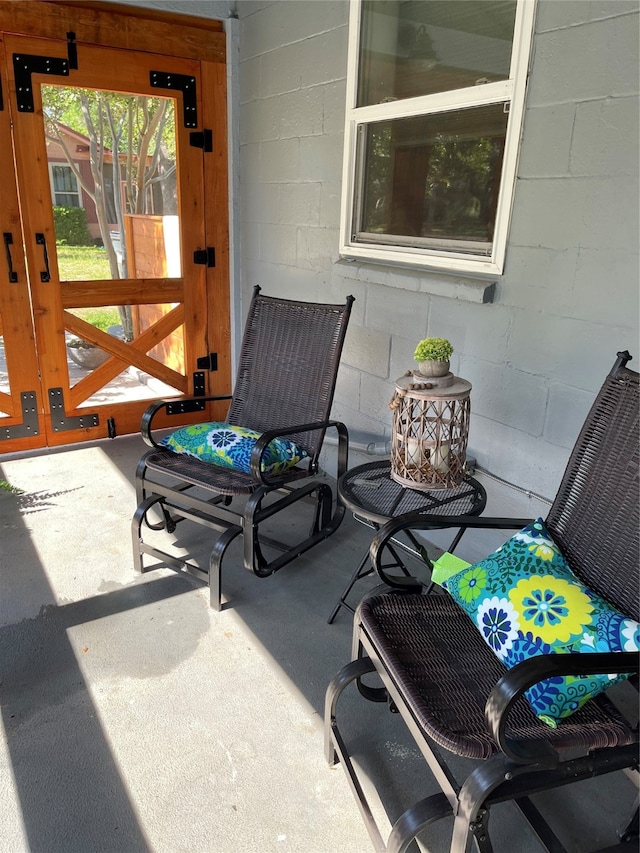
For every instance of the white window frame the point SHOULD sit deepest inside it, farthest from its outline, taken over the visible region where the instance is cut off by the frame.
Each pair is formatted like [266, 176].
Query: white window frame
[54, 192]
[511, 92]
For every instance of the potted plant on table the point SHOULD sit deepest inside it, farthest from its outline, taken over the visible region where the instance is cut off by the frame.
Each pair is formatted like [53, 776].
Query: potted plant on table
[432, 355]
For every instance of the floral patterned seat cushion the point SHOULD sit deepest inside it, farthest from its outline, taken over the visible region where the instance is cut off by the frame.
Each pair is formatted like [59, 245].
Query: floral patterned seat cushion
[525, 601]
[230, 447]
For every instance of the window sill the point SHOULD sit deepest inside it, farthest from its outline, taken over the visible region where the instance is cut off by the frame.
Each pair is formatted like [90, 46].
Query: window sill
[474, 288]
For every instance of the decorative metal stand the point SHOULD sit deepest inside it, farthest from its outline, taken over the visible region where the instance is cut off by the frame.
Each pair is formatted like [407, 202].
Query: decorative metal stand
[430, 430]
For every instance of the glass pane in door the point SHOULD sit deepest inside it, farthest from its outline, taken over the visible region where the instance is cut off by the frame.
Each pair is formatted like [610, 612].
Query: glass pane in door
[113, 177]
[161, 376]
[4, 375]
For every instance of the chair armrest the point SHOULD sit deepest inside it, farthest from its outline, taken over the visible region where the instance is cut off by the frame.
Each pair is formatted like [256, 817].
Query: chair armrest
[267, 437]
[524, 675]
[154, 408]
[420, 521]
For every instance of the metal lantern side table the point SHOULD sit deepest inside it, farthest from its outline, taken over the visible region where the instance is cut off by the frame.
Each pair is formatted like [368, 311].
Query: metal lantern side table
[429, 431]
[373, 497]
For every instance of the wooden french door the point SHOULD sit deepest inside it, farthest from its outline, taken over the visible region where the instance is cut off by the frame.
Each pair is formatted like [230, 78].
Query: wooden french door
[89, 335]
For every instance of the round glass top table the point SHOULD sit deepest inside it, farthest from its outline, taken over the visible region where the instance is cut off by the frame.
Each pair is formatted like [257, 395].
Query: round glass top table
[373, 497]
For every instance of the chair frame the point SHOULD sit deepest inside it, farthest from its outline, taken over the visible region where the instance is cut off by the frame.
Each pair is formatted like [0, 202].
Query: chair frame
[516, 769]
[187, 488]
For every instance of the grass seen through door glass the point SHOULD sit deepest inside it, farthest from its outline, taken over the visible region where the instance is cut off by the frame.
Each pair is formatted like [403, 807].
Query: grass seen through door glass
[88, 263]
[82, 263]
[101, 318]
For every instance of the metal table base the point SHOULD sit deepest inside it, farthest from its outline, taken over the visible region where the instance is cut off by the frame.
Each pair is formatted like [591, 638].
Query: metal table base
[374, 498]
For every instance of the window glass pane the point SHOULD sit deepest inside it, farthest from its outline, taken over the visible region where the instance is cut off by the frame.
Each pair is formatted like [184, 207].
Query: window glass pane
[418, 47]
[67, 200]
[433, 177]
[65, 186]
[63, 179]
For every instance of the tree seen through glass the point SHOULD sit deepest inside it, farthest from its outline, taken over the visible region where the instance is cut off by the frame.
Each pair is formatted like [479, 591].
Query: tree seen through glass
[121, 150]
[118, 151]
[425, 178]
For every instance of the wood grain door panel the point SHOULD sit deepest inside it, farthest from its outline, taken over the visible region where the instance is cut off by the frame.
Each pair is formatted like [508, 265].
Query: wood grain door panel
[176, 309]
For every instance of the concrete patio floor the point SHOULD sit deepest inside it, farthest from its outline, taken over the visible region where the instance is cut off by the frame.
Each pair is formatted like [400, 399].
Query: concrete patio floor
[135, 718]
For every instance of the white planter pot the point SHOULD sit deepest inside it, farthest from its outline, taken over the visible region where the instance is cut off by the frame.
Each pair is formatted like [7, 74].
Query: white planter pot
[433, 368]
[87, 357]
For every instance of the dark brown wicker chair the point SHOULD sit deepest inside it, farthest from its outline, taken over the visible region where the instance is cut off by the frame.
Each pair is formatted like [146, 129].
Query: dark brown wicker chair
[455, 695]
[284, 387]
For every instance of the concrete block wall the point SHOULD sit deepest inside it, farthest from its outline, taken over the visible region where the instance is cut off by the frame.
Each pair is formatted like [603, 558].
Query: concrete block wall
[568, 299]
[219, 10]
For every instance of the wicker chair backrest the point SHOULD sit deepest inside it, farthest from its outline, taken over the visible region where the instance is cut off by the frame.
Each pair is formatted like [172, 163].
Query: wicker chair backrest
[594, 517]
[288, 365]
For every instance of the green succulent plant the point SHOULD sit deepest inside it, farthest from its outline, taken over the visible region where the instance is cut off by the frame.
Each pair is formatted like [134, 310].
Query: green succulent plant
[433, 349]
[79, 343]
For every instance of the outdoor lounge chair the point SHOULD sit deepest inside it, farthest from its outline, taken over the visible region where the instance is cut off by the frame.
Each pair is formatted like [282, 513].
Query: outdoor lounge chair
[456, 696]
[284, 389]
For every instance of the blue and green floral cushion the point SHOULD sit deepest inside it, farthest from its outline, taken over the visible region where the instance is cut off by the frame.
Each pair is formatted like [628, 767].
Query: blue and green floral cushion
[230, 447]
[525, 601]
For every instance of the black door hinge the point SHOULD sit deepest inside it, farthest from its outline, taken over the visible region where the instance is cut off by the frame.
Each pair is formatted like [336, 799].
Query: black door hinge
[182, 407]
[59, 419]
[72, 51]
[208, 362]
[29, 425]
[184, 83]
[201, 139]
[24, 65]
[199, 385]
[205, 256]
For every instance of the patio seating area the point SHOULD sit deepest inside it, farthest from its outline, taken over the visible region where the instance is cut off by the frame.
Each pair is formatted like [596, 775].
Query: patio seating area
[300, 571]
[137, 718]
[516, 687]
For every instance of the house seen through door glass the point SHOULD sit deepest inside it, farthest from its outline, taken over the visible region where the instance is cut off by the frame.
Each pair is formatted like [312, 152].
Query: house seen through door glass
[114, 191]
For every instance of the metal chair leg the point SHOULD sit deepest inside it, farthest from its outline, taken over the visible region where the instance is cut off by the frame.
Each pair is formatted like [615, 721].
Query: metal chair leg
[415, 819]
[631, 830]
[353, 670]
[136, 529]
[215, 565]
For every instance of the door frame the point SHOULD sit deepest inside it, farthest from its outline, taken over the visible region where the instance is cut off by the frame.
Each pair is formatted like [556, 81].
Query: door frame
[24, 426]
[164, 35]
